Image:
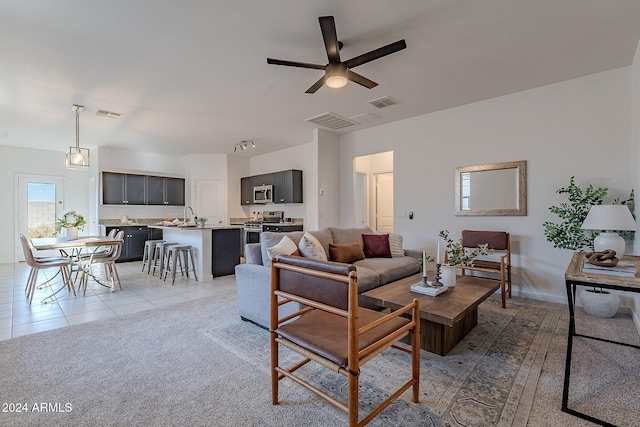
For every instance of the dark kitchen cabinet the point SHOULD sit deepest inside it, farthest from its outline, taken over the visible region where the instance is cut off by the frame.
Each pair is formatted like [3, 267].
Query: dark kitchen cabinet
[123, 189]
[246, 190]
[287, 186]
[226, 251]
[132, 189]
[134, 239]
[165, 191]
[264, 179]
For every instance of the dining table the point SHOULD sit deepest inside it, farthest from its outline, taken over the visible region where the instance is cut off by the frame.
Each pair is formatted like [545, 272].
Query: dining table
[73, 248]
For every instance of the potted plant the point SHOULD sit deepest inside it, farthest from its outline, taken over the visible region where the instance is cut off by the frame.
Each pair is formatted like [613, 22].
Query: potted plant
[457, 255]
[72, 222]
[568, 234]
[201, 221]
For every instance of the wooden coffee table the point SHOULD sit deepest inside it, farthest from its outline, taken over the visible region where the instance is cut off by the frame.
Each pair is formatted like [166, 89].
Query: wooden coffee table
[444, 319]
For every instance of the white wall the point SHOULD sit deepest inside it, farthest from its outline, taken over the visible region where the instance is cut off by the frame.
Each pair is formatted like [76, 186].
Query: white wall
[237, 167]
[327, 193]
[578, 127]
[16, 160]
[303, 157]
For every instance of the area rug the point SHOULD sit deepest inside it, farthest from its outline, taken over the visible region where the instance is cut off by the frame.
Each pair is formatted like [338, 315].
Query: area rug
[489, 379]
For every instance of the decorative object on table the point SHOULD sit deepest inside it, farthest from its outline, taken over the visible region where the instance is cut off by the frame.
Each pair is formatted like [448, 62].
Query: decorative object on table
[422, 263]
[456, 253]
[201, 221]
[605, 258]
[430, 290]
[611, 218]
[72, 222]
[596, 263]
[448, 273]
[599, 303]
[77, 158]
[569, 234]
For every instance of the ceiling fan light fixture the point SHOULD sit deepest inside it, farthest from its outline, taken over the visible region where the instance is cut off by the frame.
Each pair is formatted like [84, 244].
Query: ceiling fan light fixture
[336, 81]
[336, 75]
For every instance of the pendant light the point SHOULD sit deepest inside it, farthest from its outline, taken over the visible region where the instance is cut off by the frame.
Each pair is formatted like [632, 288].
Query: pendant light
[77, 158]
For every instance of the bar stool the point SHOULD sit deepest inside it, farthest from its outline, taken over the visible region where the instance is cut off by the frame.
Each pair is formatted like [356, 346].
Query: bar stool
[173, 258]
[159, 252]
[147, 255]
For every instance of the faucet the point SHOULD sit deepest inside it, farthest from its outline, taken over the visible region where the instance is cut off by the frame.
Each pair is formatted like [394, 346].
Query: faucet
[185, 213]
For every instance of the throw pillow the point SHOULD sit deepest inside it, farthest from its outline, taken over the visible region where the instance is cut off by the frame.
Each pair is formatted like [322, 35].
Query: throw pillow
[376, 246]
[311, 247]
[346, 252]
[395, 244]
[285, 247]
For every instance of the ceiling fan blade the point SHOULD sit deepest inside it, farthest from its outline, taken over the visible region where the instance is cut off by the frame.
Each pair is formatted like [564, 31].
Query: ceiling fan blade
[294, 64]
[328, 28]
[317, 85]
[357, 78]
[376, 53]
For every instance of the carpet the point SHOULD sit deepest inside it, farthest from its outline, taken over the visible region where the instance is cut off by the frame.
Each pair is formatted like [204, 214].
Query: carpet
[197, 363]
[489, 379]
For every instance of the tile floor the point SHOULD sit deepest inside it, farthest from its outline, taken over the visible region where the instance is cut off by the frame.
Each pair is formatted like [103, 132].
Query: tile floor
[140, 292]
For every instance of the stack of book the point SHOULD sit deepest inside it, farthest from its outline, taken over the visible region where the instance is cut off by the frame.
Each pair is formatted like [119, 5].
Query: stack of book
[428, 290]
[623, 269]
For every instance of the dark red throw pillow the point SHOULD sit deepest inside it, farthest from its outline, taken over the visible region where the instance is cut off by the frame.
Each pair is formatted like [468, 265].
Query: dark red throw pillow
[376, 246]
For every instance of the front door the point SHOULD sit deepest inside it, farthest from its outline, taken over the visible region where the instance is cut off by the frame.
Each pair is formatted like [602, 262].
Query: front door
[38, 205]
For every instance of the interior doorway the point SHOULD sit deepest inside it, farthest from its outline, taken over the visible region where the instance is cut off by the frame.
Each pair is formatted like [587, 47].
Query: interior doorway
[373, 191]
[38, 205]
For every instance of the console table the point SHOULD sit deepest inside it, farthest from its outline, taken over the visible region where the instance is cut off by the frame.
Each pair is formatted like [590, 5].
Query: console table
[574, 276]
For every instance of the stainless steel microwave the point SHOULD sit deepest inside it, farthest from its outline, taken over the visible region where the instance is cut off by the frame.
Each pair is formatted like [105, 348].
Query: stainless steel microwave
[263, 194]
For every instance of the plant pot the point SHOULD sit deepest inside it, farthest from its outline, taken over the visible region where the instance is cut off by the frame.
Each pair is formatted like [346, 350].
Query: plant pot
[448, 275]
[72, 233]
[599, 303]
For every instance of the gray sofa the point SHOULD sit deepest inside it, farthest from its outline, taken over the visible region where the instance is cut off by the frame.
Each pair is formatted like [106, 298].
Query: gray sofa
[253, 278]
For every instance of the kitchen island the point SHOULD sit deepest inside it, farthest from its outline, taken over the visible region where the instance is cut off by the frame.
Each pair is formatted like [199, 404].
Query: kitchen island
[216, 249]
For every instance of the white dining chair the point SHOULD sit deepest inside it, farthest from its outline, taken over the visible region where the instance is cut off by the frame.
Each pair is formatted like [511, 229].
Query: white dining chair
[108, 260]
[37, 264]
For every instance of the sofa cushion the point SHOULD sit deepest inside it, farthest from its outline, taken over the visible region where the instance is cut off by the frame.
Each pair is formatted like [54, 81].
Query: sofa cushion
[367, 278]
[310, 247]
[284, 247]
[395, 244]
[346, 252]
[269, 239]
[390, 269]
[376, 245]
[346, 235]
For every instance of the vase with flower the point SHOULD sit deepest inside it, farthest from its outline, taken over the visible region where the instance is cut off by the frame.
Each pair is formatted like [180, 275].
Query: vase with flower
[71, 221]
[457, 255]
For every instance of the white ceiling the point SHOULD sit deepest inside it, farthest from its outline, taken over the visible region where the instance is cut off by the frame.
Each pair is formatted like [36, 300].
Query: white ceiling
[191, 76]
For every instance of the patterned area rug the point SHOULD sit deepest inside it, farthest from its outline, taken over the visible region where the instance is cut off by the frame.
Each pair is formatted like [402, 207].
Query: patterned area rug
[488, 379]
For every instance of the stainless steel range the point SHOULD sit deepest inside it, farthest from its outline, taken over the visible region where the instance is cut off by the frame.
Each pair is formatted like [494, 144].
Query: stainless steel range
[269, 221]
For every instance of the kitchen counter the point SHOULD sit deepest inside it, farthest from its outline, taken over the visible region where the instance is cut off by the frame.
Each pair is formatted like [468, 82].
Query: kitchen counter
[202, 244]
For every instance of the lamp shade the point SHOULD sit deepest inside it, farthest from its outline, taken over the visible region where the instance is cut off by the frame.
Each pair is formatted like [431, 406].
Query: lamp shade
[609, 217]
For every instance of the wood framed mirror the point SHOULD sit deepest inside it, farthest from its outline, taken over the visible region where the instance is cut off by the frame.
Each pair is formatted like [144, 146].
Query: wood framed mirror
[496, 189]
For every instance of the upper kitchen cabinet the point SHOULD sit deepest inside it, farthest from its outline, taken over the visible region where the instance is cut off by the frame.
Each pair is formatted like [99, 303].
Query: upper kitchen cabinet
[165, 191]
[287, 186]
[131, 189]
[123, 189]
[246, 190]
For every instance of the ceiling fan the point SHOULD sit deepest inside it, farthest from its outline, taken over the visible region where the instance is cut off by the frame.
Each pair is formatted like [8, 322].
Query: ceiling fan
[338, 72]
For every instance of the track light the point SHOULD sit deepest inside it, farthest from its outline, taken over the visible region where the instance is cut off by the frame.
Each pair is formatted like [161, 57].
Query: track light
[243, 145]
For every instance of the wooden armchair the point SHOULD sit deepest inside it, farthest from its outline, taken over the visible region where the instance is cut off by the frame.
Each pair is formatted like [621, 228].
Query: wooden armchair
[332, 330]
[497, 241]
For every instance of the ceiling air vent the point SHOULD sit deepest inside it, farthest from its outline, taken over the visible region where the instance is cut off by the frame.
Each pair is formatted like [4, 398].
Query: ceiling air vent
[331, 120]
[110, 114]
[383, 102]
[364, 118]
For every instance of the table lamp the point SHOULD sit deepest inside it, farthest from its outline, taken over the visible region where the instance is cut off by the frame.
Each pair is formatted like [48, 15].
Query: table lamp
[610, 218]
